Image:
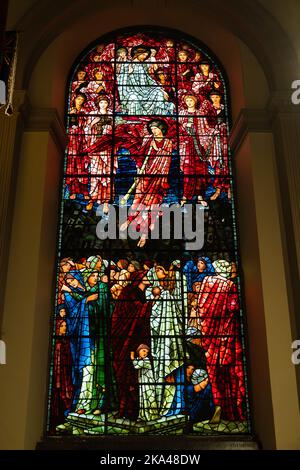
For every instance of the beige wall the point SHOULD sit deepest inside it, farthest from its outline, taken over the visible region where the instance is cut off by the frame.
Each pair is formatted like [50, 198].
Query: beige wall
[28, 301]
[28, 298]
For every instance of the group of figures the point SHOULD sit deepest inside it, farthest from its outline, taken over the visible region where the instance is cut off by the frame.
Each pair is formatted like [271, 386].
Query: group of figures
[151, 101]
[140, 336]
[143, 341]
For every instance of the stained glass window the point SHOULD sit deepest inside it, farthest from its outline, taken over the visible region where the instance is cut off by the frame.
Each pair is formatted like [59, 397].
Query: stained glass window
[148, 329]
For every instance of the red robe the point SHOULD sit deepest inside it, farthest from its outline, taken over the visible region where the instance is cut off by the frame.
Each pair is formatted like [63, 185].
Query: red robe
[76, 162]
[151, 191]
[62, 388]
[193, 168]
[130, 328]
[204, 84]
[218, 311]
[217, 144]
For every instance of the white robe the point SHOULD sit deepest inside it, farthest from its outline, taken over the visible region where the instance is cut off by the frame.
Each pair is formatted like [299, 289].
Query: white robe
[139, 92]
[166, 322]
[147, 396]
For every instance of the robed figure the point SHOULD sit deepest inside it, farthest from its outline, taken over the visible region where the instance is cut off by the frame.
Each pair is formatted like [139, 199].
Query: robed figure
[218, 315]
[130, 328]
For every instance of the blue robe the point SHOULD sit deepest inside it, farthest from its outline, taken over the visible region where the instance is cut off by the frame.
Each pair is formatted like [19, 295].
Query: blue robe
[192, 273]
[198, 405]
[79, 332]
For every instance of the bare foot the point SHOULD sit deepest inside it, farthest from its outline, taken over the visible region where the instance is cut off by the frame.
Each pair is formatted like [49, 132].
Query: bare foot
[202, 202]
[142, 241]
[87, 197]
[89, 206]
[216, 194]
[73, 196]
[124, 225]
[216, 416]
[105, 208]
[183, 202]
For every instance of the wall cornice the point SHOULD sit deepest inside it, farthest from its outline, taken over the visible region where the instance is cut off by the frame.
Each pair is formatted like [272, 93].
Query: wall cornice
[248, 120]
[45, 120]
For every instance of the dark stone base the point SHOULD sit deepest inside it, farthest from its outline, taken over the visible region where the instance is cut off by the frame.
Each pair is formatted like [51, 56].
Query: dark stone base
[128, 443]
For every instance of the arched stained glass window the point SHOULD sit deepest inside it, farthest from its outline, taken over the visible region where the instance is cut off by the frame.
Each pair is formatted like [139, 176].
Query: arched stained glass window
[148, 332]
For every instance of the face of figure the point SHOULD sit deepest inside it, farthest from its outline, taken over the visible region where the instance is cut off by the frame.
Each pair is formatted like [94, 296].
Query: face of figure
[62, 328]
[79, 100]
[182, 56]
[190, 102]
[216, 100]
[156, 131]
[142, 57]
[98, 75]
[62, 312]
[143, 353]
[169, 43]
[161, 77]
[96, 58]
[112, 274]
[131, 268]
[197, 286]
[160, 273]
[201, 266]
[98, 265]
[73, 282]
[189, 371]
[204, 68]
[103, 105]
[153, 52]
[65, 268]
[81, 75]
[122, 54]
[156, 291]
[104, 278]
[93, 279]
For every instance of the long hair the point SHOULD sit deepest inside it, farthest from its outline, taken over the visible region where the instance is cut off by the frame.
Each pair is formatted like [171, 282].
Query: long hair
[171, 279]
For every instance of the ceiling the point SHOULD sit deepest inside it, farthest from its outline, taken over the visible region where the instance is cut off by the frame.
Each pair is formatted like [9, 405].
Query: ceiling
[286, 12]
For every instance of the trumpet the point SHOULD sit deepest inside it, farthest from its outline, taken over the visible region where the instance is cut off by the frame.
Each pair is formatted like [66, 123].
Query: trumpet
[136, 180]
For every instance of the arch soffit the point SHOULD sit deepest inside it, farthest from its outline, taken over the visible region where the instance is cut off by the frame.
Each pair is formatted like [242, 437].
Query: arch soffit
[246, 19]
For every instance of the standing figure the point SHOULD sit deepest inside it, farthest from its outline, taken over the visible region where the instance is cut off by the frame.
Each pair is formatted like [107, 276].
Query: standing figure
[218, 315]
[150, 191]
[95, 86]
[216, 144]
[62, 374]
[185, 71]
[193, 137]
[76, 162]
[130, 326]
[100, 190]
[97, 392]
[147, 395]
[205, 81]
[123, 66]
[166, 322]
[81, 83]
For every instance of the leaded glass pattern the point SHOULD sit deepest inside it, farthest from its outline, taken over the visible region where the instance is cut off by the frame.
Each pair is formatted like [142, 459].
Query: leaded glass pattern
[148, 336]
